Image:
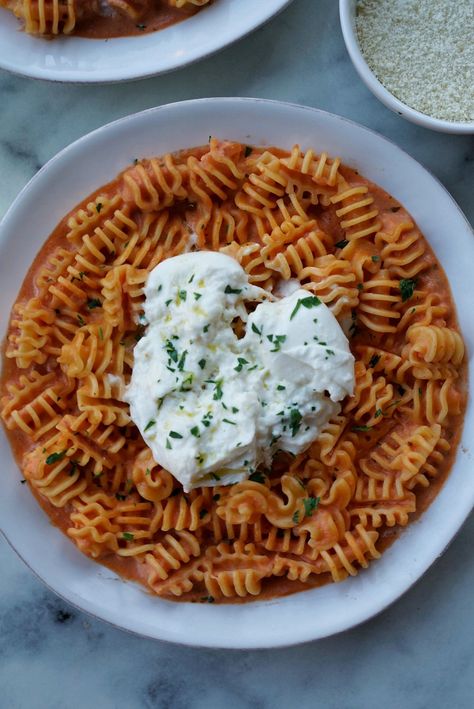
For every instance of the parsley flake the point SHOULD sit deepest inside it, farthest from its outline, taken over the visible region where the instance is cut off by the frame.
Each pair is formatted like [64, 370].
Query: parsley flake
[295, 421]
[310, 302]
[310, 505]
[407, 287]
[229, 290]
[374, 360]
[55, 457]
[94, 303]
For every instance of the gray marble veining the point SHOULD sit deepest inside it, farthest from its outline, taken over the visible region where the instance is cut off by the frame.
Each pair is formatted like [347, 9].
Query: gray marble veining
[418, 653]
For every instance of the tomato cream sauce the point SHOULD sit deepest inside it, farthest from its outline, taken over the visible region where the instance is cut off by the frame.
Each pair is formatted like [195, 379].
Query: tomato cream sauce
[433, 278]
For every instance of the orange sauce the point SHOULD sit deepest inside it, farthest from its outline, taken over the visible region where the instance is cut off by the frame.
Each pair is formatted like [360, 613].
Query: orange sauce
[433, 278]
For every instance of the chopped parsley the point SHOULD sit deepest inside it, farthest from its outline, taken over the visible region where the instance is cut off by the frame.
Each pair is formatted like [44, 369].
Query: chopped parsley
[361, 428]
[257, 477]
[296, 517]
[128, 536]
[182, 295]
[206, 420]
[374, 360]
[407, 287]
[310, 302]
[295, 421]
[174, 434]
[378, 413]
[218, 390]
[202, 363]
[187, 383]
[310, 505]
[241, 361]
[150, 423]
[81, 320]
[207, 599]
[229, 290]
[256, 330]
[101, 334]
[55, 457]
[277, 341]
[197, 296]
[182, 360]
[341, 244]
[229, 421]
[280, 387]
[375, 258]
[94, 303]
[195, 431]
[171, 351]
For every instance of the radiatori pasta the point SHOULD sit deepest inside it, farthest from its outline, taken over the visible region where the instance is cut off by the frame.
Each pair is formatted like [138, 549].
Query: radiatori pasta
[100, 18]
[320, 516]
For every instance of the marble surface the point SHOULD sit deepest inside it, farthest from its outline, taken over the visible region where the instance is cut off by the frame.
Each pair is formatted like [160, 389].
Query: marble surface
[418, 653]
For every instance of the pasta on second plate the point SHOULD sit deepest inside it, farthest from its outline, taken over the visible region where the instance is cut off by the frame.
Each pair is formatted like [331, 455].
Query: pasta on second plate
[320, 516]
[100, 18]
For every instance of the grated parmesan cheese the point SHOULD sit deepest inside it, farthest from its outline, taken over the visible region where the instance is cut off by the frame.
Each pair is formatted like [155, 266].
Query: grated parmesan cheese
[422, 51]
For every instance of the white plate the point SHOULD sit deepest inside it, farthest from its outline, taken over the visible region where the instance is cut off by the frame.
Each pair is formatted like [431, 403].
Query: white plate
[93, 60]
[94, 160]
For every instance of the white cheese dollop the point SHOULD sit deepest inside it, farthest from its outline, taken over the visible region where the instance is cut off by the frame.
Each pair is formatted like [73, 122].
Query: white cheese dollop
[211, 406]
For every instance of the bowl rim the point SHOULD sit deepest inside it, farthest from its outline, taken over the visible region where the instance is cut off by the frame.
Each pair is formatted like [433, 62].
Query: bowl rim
[348, 589]
[349, 33]
[109, 76]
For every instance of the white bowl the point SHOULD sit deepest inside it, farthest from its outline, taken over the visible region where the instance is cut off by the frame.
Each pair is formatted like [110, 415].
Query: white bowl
[347, 14]
[93, 161]
[119, 59]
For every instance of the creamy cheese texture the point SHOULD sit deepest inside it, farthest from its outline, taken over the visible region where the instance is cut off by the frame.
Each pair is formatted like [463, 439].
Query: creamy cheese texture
[213, 406]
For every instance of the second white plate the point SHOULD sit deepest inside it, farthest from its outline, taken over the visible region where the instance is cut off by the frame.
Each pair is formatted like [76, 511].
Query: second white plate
[75, 59]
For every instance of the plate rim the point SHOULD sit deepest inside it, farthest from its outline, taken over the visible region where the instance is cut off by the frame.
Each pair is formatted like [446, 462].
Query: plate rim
[301, 637]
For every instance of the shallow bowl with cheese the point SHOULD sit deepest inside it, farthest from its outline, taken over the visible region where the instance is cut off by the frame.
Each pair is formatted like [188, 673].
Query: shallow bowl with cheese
[347, 13]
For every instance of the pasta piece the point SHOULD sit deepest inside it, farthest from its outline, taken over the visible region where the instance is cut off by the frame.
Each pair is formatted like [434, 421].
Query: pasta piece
[333, 281]
[355, 209]
[151, 185]
[291, 247]
[152, 482]
[235, 571]
[378, 300]
[402, 251]
[170, 555]
[373, 398]
[263, 188]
